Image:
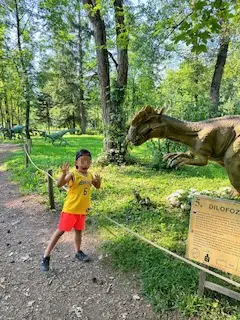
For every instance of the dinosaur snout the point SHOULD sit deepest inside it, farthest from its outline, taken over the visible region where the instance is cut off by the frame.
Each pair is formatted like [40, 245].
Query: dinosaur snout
[130, 138]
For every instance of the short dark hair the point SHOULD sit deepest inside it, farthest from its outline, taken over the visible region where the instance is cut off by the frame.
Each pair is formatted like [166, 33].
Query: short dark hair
[83, 152]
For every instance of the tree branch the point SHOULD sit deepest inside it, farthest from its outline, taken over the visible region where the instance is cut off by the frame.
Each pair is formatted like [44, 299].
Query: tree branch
[179, 24]
[113, 59]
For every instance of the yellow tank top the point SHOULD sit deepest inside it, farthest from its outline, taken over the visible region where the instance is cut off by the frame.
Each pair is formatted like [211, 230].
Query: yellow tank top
[78, 196]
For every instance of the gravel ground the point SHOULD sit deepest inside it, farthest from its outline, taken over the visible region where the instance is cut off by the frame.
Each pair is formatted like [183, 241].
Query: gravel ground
[71, 289]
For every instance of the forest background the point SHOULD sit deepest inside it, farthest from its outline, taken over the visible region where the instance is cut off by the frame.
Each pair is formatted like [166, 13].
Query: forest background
[91, 65]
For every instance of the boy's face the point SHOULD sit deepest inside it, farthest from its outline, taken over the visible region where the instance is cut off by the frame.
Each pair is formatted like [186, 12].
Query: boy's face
[83, 163]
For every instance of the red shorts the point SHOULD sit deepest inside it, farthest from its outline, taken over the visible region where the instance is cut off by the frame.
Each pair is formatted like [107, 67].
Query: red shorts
[68, 221]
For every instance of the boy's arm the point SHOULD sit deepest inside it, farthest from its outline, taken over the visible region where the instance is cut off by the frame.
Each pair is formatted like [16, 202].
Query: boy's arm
[96, 181]
[64, 179]
[65, 176]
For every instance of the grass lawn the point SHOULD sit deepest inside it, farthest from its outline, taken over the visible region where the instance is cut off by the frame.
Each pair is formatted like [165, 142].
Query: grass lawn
[168, 283]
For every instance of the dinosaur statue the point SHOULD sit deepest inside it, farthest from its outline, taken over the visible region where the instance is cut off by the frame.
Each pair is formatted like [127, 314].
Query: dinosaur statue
[56, 136]
[5, 132]
[215, 139]
[18, 129]
[13, 132]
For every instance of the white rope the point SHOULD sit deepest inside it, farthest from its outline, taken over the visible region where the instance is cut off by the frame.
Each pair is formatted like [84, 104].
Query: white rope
[236, 284]
[174, 254]
[40, 168]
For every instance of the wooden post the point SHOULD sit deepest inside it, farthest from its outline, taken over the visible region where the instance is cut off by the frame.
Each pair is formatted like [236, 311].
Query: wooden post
[201, 284]
[26, 157]
[50, 190]
[29, 144]
[216, 287]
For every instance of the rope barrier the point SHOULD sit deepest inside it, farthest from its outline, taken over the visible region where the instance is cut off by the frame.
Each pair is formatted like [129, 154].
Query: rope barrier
[39, 169]
[232, 282]
[173, 254]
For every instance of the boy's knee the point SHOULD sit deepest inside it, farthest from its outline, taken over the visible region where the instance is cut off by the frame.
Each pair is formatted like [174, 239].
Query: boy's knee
[60, 232]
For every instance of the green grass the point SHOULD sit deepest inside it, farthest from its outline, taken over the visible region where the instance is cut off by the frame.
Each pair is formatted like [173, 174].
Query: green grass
[167, 282]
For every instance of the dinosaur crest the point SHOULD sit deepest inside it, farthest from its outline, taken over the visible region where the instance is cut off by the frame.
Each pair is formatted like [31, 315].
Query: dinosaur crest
[144, 113]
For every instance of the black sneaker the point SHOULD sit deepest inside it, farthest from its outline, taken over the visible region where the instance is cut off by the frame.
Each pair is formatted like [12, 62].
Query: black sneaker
[45, 263]
[82, 256]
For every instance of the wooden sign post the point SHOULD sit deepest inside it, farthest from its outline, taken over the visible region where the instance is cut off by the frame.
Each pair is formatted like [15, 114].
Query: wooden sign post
[214, 239]
[50, 190]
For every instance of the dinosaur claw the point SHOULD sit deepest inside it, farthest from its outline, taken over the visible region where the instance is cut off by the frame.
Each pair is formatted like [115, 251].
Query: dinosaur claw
[168, 156]
[172, 163]
[165, 157]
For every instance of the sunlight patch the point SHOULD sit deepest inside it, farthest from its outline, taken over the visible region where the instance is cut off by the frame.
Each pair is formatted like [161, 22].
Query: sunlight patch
[3, 167]
[20, 203]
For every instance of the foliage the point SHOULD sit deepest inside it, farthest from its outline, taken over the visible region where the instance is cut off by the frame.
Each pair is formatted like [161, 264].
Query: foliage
[185, 91]
[199, 21]
[161, 72]
[16, 66]
[70, 62]
[43, 106]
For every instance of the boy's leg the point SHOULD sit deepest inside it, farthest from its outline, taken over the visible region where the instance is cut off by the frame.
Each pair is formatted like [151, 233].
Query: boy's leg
[66, 223]
[46, 257]
[53, 241]
[78, 240]
[79, 227]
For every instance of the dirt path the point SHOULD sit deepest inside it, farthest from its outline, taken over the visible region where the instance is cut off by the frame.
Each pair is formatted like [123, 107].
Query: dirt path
[71, 290]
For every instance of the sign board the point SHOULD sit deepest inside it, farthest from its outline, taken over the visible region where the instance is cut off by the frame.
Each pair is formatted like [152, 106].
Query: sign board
[214, 233]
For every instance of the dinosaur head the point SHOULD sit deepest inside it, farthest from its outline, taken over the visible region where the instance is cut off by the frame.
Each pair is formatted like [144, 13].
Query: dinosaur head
[145, 125]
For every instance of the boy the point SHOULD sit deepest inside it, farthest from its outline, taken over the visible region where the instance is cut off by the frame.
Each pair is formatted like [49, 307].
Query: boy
[76, 205]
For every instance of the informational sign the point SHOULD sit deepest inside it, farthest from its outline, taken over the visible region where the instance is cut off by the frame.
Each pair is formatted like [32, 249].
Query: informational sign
[214, 233]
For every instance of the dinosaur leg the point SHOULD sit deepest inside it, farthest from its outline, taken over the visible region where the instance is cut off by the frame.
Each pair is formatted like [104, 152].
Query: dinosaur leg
[182, 159]
[232, 165]
[234, 179]
[196, 161]
[173, 156]
[64, 141]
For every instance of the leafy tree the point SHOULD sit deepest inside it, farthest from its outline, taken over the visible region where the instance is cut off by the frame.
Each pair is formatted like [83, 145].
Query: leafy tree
[200, 23]
[11, 91]
[112, 92]
[184, 92]
[69, 36]
[19, 23]
[230, 92]
[43, 107]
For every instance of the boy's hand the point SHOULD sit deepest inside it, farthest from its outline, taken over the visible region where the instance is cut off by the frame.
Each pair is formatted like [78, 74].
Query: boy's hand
[65, 176]
[97, 181]
[65, 168]
[97, 177]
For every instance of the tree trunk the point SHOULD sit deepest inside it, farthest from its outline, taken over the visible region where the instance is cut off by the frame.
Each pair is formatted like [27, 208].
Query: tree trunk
[12, 112]
[8, 120]
[18, 112]
[218, 73]
[82, 112]
[25, 75]
[122, 45]
[73, 122]
[1, 112]
[82, 116]
[113, 119]
[103, 67]
[48, 117]
[119, 147]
